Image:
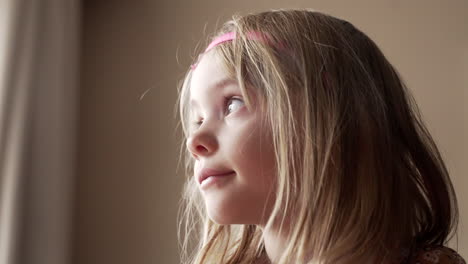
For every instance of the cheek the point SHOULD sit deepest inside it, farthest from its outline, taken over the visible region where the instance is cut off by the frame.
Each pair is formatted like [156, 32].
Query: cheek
[255, 156]
[248, 199]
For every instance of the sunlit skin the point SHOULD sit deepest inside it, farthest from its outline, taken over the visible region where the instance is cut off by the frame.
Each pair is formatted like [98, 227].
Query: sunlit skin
[226, 135]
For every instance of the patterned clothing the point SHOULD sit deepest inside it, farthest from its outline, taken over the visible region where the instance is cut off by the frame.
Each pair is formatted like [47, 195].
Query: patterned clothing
[436, 255]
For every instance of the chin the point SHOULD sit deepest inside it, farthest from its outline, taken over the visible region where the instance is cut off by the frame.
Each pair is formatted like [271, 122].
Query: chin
[224, 214]
[230, 219]
[221, 218]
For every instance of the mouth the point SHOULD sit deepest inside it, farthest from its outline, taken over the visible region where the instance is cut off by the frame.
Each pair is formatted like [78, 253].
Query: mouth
[207, 173]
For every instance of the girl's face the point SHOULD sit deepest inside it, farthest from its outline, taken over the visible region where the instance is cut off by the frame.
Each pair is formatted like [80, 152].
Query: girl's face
[227, 138]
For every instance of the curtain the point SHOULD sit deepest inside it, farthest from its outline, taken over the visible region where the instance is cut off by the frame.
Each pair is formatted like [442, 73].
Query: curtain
[38, 100]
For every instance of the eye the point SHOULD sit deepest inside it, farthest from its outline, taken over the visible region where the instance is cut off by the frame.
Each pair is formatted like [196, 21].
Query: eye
[233, 104]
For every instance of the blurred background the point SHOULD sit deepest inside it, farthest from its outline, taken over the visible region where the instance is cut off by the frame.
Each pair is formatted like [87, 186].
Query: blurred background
[88, 141]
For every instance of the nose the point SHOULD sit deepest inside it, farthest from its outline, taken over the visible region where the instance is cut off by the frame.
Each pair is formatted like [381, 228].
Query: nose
[202, 144]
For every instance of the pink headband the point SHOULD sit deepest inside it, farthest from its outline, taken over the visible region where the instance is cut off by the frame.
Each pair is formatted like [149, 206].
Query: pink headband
[231, 36]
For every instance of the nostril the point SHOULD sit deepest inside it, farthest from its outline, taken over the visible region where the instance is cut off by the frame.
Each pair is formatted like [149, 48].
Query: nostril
[201, 149]
[201, 144]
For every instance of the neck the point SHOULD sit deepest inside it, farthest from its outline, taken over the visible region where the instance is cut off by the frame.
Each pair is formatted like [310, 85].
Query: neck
[274, 243]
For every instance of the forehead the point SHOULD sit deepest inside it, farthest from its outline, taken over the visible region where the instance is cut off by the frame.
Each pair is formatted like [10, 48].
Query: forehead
[209, 77]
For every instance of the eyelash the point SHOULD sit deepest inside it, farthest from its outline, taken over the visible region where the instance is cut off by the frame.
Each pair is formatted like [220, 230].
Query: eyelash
[226, 101]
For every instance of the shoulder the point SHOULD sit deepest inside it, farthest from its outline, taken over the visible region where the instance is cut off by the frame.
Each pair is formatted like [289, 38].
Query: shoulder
[436, 255]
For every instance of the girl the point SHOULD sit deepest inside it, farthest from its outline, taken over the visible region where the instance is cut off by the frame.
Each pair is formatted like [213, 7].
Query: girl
[305, 146]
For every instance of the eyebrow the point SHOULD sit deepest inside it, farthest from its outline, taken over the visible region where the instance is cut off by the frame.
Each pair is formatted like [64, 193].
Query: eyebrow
[218, 85]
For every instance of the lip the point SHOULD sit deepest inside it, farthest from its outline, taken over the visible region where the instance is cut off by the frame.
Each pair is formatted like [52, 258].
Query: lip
[209, 172]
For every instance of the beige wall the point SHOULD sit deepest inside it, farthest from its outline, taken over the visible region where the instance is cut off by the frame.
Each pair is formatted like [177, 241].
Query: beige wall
[128, 188]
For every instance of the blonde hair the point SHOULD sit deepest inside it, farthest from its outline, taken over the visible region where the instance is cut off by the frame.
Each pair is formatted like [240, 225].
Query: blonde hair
[356, 164]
